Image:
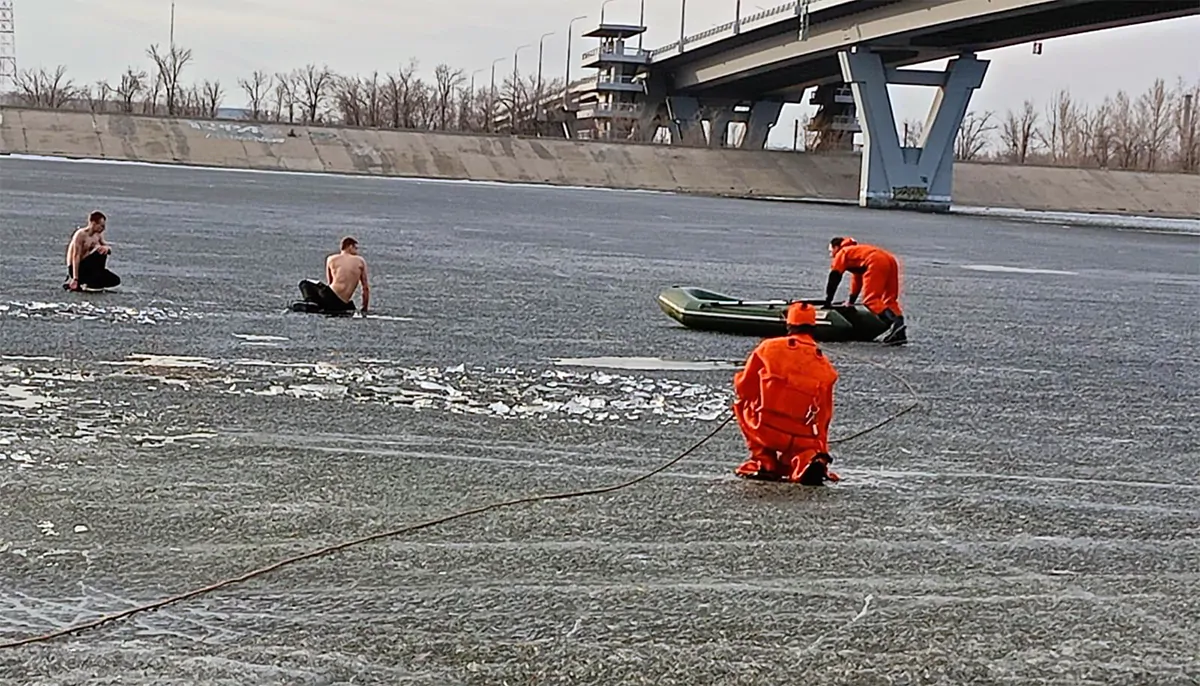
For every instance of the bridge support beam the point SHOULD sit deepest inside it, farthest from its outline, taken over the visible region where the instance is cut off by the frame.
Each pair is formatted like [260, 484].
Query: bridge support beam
[687, 126]
[895, 177]
[764, 114]
[719, 115]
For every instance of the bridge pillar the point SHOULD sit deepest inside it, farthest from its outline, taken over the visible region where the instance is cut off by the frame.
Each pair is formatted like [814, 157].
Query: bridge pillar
[896, 177]
[655, 110]
[719, 115]
[686, 120]
[764, 114]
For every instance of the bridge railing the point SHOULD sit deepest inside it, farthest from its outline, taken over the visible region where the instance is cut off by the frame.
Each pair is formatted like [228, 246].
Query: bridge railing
[728, 27]
[608, 50]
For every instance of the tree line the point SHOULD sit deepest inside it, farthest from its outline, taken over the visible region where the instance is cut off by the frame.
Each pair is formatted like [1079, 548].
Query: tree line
[1154, 131]
[312, 94]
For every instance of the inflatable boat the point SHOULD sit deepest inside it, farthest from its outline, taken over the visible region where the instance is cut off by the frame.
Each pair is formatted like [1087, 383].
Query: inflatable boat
[697, 308]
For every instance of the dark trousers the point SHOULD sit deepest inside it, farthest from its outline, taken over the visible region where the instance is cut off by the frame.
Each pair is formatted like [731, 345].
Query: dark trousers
[94, 273]
[323, 297]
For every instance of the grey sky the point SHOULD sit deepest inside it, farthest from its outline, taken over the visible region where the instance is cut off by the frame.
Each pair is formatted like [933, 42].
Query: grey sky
[97, 39]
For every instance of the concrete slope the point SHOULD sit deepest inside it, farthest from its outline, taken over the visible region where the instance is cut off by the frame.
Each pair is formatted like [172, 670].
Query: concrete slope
[563, 162]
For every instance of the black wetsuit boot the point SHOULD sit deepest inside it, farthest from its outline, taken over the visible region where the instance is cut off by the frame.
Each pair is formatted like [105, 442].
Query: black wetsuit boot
[897, 333]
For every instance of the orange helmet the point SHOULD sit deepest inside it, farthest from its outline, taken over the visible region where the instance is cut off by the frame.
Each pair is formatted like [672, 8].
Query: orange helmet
[801, 314]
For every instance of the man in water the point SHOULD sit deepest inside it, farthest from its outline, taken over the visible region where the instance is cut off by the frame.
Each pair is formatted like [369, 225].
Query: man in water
[87, 257]
[875, 273]
[785, 403]
[344, 272]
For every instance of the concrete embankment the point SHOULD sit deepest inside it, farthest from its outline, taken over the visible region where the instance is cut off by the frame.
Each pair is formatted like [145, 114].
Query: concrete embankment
[563, 162]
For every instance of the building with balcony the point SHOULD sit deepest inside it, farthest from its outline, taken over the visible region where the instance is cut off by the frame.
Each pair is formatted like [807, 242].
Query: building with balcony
[614, 102]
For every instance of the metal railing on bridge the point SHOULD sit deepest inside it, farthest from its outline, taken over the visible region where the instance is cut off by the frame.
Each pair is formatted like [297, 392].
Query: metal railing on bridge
[608, 51]
[728, 27]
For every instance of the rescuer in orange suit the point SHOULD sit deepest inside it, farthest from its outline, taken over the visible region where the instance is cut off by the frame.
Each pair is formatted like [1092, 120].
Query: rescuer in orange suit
[784, 405]
[875, 273]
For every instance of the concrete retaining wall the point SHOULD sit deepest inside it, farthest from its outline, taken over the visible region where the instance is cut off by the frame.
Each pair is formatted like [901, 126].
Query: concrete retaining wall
[557, 161]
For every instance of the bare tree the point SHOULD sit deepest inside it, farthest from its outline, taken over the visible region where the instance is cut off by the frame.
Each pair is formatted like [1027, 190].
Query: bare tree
[312, 88]
[213, 94]
[133, 84]
[1154, 121]
[403, 93]
[1126, 137]
[98, 96]
[170, 66]
[1185, 125]
[1095, 133]
[447, 80]
[373, 101]
[150, 103]
[284, 97]
[1058, 133]
[348, 100]
[42, 88]
[466, 109]
[256, 88]
[1017, 132]
[910, 134]
[973, 135]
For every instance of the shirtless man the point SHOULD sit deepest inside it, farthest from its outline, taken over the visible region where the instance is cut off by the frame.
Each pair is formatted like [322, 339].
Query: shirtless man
[88, 251]
[344, 272]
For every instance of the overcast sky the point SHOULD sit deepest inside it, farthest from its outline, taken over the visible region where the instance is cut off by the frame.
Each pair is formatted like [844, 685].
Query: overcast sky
[97, 39]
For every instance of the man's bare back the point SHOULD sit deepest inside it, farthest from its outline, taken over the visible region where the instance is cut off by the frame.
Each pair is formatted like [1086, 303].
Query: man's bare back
[344, 272]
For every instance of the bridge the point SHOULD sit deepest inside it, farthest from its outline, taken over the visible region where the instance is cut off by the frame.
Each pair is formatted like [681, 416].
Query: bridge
[849, 51]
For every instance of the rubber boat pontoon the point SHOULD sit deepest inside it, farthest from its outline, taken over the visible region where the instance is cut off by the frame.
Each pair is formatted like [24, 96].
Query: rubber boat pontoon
[705, 310]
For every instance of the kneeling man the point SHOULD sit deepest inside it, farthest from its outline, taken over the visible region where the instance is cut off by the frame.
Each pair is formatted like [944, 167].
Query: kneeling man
[344, 272]
[87, 257]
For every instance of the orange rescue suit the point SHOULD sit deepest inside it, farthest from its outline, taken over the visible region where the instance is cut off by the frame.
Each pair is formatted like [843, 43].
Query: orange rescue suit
[784, 405]
[874, 272]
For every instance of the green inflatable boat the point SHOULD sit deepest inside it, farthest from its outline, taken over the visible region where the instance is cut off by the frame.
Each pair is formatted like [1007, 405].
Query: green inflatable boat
[705, 310]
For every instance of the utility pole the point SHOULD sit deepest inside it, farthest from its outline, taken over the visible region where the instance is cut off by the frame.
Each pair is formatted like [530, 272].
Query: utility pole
[682, 16]
[516, 99]
[567, 79]
[1189, 159]
[541, 52]
[642, 23]
[470, 105]
[491, 114]
[172, 27]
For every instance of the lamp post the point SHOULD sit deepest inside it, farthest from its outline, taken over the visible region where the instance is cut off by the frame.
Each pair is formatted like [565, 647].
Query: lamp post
[737, 18]
[470, 104]
[602, 10]
[567, 79]
[512, 113]
[682, 14]
[541, 51]
[492, 96]
[641, 23]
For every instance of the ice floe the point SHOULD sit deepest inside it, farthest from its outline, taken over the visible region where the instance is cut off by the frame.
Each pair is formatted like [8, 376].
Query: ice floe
[87, 311]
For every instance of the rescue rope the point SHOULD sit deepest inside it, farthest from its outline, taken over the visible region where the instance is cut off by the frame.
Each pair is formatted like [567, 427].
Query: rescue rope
[434, 522]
